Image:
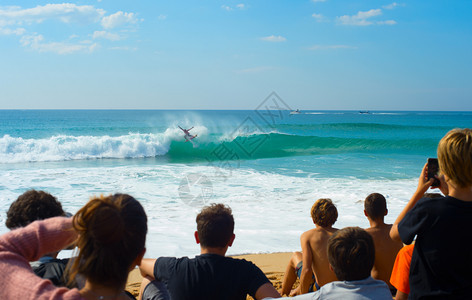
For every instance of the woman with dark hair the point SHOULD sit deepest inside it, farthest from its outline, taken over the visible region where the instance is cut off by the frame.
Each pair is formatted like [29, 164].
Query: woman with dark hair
[110, 234]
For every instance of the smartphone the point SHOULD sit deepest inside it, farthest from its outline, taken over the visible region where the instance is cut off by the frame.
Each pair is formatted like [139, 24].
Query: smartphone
[433, 169]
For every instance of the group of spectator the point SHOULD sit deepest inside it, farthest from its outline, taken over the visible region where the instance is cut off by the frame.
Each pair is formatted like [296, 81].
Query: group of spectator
[109, 233]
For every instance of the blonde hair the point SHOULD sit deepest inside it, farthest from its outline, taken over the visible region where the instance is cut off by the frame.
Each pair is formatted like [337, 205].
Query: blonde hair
[324, 213]
[455, 156]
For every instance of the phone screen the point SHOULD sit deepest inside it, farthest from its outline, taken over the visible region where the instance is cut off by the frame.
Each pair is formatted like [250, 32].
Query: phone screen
[433, 169]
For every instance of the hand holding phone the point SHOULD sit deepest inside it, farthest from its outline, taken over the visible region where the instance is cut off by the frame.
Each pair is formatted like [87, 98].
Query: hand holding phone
[433, 171]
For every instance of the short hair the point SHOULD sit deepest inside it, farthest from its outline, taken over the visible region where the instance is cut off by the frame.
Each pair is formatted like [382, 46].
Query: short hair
[32, 205]
[455, 156]
[324, 212]
[432, 195]
[351, 253]
[215, 225]
[375, 205]
[112, 234]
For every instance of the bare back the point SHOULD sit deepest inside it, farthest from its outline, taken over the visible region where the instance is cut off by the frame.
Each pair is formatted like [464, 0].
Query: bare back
[317, 241]
[386, 251]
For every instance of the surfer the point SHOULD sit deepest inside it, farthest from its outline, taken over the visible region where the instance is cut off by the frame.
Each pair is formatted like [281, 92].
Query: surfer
[188, 136]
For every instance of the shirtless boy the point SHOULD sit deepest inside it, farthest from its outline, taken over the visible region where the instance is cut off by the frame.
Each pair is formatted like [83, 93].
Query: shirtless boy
[386, 249]
[313, 260]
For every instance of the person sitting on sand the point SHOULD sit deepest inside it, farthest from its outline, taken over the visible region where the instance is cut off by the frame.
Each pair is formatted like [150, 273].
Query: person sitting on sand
[386, 249]
[351, 257]
[441, 261]
[312, 262]
[209, 275]
[400, 277]
[110, 233]
[35, 205]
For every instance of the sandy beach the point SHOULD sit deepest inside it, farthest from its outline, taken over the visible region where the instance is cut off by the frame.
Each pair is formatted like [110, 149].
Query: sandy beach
[272, 264]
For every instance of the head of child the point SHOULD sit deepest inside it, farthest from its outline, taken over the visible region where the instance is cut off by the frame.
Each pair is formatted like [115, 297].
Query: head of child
[351, 254]
[215, 226]
[455, 157]
[32, 205]
[324, 212]
[112, 233]
[375, 206]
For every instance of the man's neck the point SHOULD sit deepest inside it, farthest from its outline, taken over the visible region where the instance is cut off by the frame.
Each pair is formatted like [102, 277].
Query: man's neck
[378, 223]
[327, 228]
[214, 250]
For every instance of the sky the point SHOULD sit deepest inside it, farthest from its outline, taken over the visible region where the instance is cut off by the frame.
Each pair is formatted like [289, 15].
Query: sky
[209, 54]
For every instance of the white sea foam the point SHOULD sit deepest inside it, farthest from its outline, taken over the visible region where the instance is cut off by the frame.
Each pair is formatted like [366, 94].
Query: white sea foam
[64, 147]
[271, 210]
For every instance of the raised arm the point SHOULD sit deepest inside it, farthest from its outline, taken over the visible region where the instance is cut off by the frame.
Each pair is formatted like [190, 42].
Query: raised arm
[147, 267]
[423, 185]
[20, 246]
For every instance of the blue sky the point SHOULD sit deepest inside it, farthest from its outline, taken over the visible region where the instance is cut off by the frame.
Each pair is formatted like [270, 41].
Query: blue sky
[331, 54]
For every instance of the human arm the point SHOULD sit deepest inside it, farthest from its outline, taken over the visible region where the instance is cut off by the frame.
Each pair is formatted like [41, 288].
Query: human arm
[423, 185]
[306, 277]
[401, 296]
[20, 246]
[266, 290]
[147, 267]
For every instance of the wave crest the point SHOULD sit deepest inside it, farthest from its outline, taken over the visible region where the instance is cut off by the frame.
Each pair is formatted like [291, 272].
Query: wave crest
[62, 147]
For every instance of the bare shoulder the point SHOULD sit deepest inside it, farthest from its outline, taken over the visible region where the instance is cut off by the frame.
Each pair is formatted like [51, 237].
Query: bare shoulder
[319, 233]
[307, 235]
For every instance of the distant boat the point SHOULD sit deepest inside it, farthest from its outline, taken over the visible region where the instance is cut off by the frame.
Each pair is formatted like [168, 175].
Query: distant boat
[364, 112]
[295, 112]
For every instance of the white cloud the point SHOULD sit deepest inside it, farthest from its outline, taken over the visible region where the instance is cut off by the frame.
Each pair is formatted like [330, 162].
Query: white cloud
[360, 19]
[162, 17]
[392, 5]
[36, 42]
[4, 22]
[274, 38]
[65, 12]
[118, 19]
[240, 6]
[331, 47]
[8, 31]
[363, 18]
[106, 35]
[387, 22]
[15, 20]
[124, 48]
[318, 17]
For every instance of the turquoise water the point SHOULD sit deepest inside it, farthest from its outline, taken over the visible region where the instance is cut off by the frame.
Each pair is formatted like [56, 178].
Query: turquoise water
[269, 166]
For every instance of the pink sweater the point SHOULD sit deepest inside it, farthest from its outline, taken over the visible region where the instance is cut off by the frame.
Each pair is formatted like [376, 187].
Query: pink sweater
[20, 246]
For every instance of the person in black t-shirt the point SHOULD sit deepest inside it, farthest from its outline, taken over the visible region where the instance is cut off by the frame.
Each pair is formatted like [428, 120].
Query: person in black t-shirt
[209, 275]
[442, 259]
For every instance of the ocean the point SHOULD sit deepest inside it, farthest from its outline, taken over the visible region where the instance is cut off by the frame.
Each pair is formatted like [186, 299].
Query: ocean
[269, 166]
